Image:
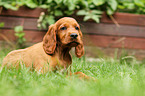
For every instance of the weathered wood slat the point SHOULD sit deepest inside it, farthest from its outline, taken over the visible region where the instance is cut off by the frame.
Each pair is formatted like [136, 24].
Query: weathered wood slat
[9, 34]
[111, 29]
[87, 27]
[90, 40]
[31, 36]
[23, 12]
[125, 18]
[27, 23]
[114, 42]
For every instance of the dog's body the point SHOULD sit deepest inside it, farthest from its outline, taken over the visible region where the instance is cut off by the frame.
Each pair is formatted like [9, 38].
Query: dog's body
[53, 52]
[33, 56]
[37, 59]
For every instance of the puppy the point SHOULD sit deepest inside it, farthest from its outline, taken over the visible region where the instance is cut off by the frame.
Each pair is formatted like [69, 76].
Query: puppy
[53, 52]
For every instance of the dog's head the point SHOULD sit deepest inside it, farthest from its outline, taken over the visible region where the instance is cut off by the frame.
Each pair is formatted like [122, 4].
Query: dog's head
[66, 31]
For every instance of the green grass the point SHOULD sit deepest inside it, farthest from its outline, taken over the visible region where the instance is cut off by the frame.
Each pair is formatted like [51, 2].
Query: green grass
[113, 79]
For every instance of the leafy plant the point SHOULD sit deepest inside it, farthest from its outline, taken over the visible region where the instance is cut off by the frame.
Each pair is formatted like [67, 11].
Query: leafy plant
[11, 4]
[112, 6]
[20, 36]
[132, 6]
[90, 9]
[90, 14]
[2, 24]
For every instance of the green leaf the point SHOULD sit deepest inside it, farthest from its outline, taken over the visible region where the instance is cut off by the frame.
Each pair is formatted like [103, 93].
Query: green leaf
[139, 3]
[81, 12]
[69, 12]
[58, 1]
[9, 6]
[17, 34]
[31, 4]
[98, 2]
[71, 4]
[23, 39]
[44, 6]
[129, 5]
[92, 6]
[18, 29]
[49, 1]
[96, 18]
[65, 1]
[121, 7]
[84, 3]
[87, 18]
[71, 7]
[58, 13]
[109, 11]
[2, 24]
[21, 34]
[89, 1]
[113, 4]
[96, 12]
[50, 19]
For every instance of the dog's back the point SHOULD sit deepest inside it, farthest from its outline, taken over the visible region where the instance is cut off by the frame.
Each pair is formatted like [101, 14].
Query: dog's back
[26, 56]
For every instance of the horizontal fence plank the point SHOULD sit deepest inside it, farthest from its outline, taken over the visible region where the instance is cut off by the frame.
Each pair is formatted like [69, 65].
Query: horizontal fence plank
[11, 22]
[23, 12]
[89, 40]
[7, 34]
[114, 42]
[87, 27]
[125, 18]
[111, 29]
[31, 36]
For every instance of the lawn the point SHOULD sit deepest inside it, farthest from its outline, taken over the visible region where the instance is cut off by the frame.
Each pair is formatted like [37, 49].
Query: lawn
[113, 79]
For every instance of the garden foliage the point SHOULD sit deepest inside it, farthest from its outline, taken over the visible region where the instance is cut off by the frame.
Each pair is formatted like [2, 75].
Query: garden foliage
[90, 9]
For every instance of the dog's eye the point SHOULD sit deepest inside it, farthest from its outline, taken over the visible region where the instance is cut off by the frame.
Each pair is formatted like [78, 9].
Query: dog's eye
[63, 28]
[77, 28]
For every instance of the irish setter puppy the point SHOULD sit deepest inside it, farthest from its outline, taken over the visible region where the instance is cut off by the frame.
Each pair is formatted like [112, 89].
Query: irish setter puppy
[53, 52]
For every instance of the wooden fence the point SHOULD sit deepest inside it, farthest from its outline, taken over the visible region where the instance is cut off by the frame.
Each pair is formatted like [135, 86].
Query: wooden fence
[130, 33]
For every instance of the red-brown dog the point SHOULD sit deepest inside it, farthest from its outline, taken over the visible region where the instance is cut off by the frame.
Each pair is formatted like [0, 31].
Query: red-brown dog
[53, 52]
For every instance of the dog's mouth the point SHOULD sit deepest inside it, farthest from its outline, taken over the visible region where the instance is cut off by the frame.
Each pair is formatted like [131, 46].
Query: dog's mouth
[73, 43]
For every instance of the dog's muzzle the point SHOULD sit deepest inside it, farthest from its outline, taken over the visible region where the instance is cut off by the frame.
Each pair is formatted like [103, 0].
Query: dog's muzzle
[73, 35]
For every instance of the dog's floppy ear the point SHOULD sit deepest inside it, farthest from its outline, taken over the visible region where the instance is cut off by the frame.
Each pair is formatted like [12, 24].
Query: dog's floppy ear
[79, 50]
[49, 40]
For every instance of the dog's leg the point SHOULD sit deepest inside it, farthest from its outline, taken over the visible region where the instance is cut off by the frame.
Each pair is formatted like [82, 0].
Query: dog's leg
[81, 75]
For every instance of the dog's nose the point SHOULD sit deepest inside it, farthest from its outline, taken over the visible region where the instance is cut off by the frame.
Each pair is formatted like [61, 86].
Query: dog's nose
[73, 35]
